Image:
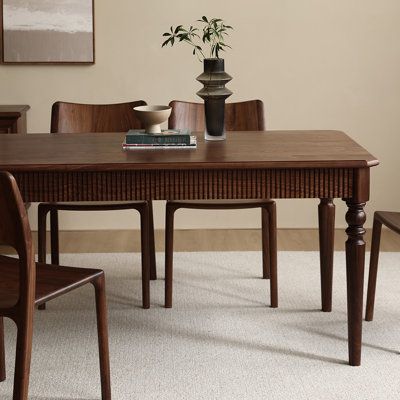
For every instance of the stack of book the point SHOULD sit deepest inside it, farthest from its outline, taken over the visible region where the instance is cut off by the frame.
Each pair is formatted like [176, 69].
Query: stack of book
[167, 139]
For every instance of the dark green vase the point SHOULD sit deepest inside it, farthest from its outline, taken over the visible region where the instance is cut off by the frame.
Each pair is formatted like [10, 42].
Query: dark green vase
[214, 78]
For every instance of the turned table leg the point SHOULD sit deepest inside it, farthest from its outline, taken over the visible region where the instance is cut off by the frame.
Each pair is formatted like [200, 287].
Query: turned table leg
[355, 258]
[326, 220]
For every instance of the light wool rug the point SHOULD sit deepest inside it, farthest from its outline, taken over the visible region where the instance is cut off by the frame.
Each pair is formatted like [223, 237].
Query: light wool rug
[221, 340]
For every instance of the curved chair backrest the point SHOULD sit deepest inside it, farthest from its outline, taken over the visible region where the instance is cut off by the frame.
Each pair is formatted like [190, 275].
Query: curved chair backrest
[15, 232]
[242, 116]
[80, 118]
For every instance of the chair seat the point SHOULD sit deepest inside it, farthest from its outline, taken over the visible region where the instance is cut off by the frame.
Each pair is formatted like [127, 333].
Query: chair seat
[220, 204]
[93, 205]
[390, 219]
[51, 280]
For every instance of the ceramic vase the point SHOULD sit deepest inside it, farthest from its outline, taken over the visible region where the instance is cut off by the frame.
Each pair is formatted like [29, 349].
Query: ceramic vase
[214, 78]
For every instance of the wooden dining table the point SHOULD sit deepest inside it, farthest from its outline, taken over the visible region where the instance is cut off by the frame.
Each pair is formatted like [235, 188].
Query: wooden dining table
[247, 165]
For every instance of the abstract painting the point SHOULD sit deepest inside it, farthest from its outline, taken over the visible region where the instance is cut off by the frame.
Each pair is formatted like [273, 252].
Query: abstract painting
[47, 31]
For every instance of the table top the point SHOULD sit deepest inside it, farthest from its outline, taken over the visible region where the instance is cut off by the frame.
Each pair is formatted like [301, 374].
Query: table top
[103, 151]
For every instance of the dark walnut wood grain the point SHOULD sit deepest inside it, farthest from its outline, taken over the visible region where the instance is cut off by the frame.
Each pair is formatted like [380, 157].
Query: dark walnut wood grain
[24, 284]
[326, 221]
[77, 118]
[242, 116]
[241, 150]
[81, 118]
[13, 118]
[268, 212]
[181, 184]
[248, 165]
[355, 257]
[392, 221]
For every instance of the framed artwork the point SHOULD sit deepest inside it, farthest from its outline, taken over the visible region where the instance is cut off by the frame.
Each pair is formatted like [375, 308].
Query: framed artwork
[47, 31]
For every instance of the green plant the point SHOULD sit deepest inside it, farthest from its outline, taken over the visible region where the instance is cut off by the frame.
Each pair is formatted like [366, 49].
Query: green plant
[214, 32]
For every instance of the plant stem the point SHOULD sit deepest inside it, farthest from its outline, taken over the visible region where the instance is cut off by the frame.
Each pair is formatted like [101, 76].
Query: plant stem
[192, 44]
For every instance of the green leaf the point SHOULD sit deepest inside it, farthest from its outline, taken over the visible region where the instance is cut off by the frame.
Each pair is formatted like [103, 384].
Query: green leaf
[213, 33]
[166, 42]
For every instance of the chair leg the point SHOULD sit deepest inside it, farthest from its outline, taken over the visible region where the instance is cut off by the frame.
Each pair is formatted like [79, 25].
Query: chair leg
[152, 246]
[42, 217]
[55, 259]
[55, 253]
[373, 269]
[23, 356]
[2, 352]
[102, 332]
[144, 235]
[169, 254]
[273, 254]
[265, 243]
[326, 222]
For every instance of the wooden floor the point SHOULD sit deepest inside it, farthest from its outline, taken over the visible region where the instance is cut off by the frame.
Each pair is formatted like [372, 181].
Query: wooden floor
[207, 240]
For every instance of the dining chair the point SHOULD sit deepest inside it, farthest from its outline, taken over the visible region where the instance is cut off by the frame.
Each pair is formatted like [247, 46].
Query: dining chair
[80, 118]
[24, 284]
[392, 221]
[242, 116]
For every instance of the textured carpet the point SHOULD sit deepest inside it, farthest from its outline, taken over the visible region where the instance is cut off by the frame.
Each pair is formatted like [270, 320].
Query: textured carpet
[221, 340]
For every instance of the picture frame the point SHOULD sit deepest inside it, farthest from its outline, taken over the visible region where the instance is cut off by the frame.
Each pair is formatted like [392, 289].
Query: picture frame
[47, 32]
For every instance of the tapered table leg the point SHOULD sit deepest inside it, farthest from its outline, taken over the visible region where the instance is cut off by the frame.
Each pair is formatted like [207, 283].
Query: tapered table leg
[326, 219]
[355, 258]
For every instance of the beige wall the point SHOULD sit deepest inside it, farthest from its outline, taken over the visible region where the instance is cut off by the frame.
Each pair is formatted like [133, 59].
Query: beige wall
[319, 64]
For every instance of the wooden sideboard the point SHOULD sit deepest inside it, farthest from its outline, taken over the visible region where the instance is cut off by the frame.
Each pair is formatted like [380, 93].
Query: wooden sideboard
[13, 118]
